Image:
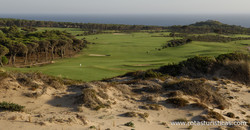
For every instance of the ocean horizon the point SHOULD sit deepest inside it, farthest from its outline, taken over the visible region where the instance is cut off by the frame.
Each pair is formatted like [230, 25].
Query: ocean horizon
[136, 19]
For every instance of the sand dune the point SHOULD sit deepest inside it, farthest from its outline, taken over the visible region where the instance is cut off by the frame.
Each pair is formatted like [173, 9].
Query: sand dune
[111, 104]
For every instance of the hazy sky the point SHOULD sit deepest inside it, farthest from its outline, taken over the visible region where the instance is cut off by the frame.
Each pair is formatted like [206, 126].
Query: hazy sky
[124, 6]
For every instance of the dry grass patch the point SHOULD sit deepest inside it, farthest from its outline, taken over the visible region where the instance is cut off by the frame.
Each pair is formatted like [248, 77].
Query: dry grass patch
[90, 100]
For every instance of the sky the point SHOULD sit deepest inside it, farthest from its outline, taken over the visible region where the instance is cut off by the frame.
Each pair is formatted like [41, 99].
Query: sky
[124, 7]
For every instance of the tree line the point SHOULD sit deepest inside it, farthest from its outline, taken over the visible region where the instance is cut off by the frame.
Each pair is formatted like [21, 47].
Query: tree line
[85, 26]
[36, 47]
[207, 38]
[209, 26]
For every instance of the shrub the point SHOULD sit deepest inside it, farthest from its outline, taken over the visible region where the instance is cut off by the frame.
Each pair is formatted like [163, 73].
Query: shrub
[232, 57]
[130, 124]
[151, 74]
[230, 114]
[195, 65]
[171, 69]
[177, 42]
[237, 67]
[11, 106]
[178, 102]
[5, 60]
[198, 64]
[144, 74]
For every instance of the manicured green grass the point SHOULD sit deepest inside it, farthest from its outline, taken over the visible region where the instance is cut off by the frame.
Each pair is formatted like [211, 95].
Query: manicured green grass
[128, 52]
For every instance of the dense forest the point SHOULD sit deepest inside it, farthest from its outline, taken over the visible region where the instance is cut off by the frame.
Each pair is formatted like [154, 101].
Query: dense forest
[36, 47]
